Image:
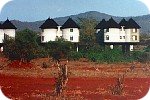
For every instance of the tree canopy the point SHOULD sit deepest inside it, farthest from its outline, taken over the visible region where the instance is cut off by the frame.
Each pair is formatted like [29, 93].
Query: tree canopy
[24, 46]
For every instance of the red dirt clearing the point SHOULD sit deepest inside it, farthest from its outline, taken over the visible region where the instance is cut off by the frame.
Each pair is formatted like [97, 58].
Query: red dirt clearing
[19, 64]
[32, 88]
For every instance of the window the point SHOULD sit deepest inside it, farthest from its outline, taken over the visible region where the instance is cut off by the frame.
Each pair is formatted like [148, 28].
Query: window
[71, 38]
[134, 37]
[124, 37]
[122, 28]
[71, 30]
[107, 30]
[134, 30]
[120, 37]
[42, 38]
[107, 37]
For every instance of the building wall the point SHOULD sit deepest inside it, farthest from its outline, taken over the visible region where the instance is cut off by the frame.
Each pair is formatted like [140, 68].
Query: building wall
[59, 32]
[1, 35]
[113, 35]
[67, 34]
[121, 35]
[10, 32]
[49, 35]
[132, 35]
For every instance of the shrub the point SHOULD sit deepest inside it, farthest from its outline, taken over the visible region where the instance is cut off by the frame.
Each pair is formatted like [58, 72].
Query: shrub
[136, 54]
[107, 55]
[73, 55]
[147, 49]
[145, 57]
[118, 88]
[44, 65]
[60, 47]
[23, 47]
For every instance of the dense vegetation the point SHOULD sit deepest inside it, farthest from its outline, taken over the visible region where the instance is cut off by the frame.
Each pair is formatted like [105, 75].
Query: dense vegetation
[27, 46]
[23, 47]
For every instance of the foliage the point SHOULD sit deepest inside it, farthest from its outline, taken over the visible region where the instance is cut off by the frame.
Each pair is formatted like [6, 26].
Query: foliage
[59, 48]
[107, 55]
[87, 25]
[87, 32]
[136, 54]
[141, 56]
[100, 54]
[144, 36]
[23, 47]
[10, 49]
[145, 57]
[73, 55]
[147, 49]
[100, 37]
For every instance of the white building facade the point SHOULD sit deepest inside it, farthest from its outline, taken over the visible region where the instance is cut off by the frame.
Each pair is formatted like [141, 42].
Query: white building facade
[8, 29]
[126, 32]
[1, 34]
[51, 31]
[70, 31]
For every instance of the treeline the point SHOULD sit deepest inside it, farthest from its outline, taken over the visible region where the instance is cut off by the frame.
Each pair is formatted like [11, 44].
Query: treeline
[27, 45]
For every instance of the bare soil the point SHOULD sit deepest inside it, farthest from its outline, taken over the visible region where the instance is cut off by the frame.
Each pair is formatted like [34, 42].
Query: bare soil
[87, 80]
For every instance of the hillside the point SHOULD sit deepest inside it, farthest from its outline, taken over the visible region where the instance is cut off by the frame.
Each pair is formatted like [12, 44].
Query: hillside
[143, 21]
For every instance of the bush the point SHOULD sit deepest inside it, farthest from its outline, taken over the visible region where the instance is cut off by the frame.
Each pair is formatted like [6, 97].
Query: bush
[23, 47]
[145, 57]
[73, 55]
[44, 65]
[111, 56]
[107, 55]
[147, 49]
[60, 46]
[136, 54]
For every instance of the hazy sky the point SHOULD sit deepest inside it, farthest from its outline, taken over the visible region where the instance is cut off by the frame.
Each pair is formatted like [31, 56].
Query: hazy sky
[34, 10]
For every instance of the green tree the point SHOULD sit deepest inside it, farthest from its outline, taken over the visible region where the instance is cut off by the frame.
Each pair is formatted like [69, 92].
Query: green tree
[10, 49]
[59, 48]
[87, 32]
[23, 47]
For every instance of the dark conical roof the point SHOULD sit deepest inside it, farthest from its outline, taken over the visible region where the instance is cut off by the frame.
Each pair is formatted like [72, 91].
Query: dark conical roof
[112, 24]
[49, 23]
[70, 24]
[8, 25]
[123, 22]
[132, 24]
[102, 25]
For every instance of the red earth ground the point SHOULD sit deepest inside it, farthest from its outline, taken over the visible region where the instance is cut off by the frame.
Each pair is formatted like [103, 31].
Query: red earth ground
[38, 84]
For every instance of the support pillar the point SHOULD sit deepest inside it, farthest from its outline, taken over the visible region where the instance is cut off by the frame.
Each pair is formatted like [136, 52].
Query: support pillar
[131, 47]
[77, 48]
[127, 48]
[111, 46]
[123, 48]
[1, 49]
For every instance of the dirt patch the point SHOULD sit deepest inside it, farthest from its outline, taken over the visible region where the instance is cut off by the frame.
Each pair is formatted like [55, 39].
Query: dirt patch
[83, 88]
[19, 64]
[87, 80]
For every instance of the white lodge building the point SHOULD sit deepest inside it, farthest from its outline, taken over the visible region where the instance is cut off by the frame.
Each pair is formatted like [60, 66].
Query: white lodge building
[126, 33]
[51, 31]
[7, 28]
